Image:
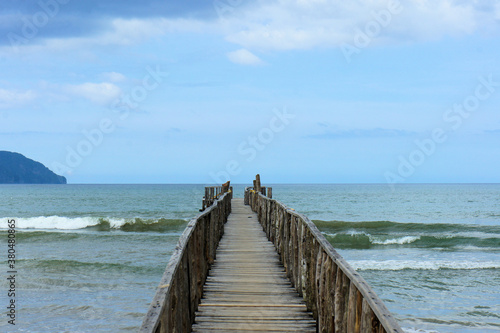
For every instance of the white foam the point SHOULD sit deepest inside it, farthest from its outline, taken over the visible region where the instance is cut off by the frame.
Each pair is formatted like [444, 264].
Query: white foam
[417, 330]
[60, 222]
[116, 223]
[351, 233]
[397, 265]
[354, 232]
[400, 241]
[379, 241]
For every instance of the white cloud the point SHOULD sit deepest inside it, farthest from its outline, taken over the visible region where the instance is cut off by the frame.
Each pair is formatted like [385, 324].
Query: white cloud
[14, 98]
[126, 32]
[99, 93]
[497, 11]
[304, 24]
[244, 57]
[113, 76]
[122, 32]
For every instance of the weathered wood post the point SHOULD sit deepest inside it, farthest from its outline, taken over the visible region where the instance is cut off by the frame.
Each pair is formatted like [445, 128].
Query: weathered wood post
[246, 199]
[205, 199]
[257, 183]
[225, 187]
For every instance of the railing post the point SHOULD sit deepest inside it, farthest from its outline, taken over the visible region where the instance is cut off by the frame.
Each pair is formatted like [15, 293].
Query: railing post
[247, 197]
[205, 199]
[257, 183]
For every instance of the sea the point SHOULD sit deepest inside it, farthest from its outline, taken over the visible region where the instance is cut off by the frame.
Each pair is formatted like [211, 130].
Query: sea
[88, 258]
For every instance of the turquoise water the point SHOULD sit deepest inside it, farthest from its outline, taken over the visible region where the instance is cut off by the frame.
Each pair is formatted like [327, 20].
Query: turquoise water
[91, 256]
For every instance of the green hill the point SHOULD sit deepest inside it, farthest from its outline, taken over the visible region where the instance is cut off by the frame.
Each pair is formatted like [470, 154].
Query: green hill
[17, 169]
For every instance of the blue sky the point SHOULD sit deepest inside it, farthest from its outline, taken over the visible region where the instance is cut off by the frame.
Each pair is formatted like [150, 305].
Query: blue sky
[305, 91]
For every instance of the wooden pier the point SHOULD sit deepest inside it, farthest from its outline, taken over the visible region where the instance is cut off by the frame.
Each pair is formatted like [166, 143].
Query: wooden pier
[247, 288]
[255, 265]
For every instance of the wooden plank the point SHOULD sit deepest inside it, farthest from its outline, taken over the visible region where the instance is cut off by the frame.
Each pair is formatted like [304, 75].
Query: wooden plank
[255, 312]
[250, 305]
[241, 311]
[247, 287]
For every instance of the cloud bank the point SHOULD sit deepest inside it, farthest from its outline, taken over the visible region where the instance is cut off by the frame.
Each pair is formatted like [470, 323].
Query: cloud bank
[256, 26]
[99, 93]
[14, 98]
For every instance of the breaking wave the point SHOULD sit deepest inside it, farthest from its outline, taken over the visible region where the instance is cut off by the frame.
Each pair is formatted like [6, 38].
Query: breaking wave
[100, 224]
[398, 265]
[366, 235]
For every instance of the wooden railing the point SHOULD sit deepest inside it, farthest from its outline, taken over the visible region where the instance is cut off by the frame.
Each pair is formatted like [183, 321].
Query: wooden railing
[212, 193]
[178, 295]
[265, 191]
[339, 298]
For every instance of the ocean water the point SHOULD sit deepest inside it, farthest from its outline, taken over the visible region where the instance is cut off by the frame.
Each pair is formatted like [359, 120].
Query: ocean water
[89, 257]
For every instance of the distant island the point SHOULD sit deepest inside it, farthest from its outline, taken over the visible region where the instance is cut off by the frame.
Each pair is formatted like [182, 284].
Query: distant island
[18, 169]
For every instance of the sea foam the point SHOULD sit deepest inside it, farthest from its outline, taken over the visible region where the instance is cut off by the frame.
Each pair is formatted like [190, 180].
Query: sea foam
[400, 240]
[99, 224]
[397, 265]
[56, 222]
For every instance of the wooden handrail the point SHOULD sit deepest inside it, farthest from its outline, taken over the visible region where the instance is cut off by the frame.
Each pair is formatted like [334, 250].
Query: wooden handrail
[178, 295]
[339, 298]
[212, 193]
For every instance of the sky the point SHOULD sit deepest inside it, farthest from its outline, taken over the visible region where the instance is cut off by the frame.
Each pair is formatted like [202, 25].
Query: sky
[304, 91]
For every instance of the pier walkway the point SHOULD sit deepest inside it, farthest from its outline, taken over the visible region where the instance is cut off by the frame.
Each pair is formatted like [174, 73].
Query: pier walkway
[247, 289]
[256, 265]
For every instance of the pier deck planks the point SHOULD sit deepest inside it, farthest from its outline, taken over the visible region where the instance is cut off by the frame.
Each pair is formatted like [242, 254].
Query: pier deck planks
[247, 289]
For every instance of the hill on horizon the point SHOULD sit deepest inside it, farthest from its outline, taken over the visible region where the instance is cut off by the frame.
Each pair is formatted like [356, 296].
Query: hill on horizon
[18, 169]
